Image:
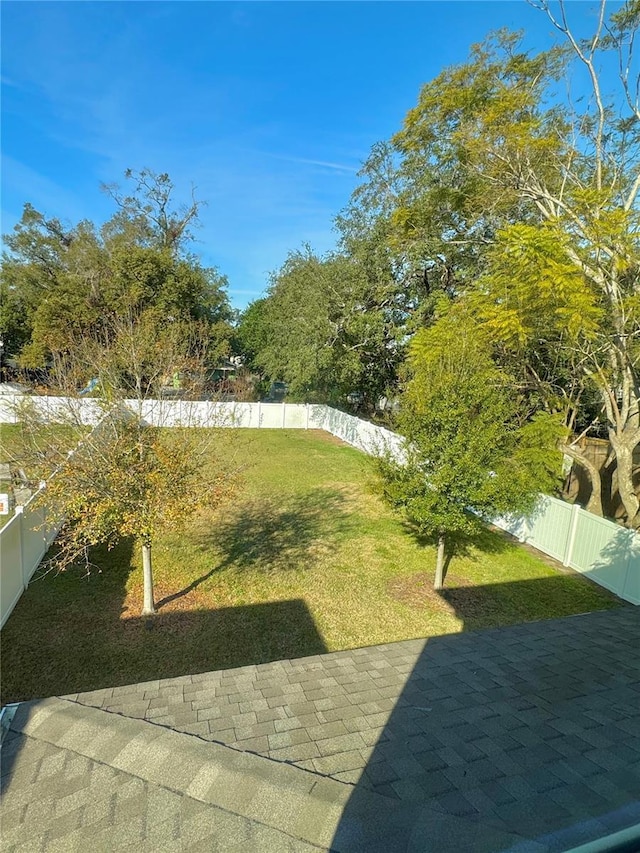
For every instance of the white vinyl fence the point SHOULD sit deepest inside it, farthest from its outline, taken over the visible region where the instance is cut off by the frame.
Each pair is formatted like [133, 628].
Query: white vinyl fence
[600, 549]
[24, 541]
[359, 433]
[50, 409]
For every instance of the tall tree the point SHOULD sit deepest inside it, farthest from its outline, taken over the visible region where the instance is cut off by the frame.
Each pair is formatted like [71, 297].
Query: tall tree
[535, 204]
[323, 331]
[58, 282]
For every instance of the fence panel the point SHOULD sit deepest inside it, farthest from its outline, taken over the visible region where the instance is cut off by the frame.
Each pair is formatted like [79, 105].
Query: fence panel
[243, 415]
[516, 526]
[272, 415]
[604, 551]
[295, 416]
[11, 583]
[550, 527]
[318, 416]
[55, 409]
[596, 547]
[631, 590]
[37, 534]
[24, 541]
[8, 413]
[368, 437]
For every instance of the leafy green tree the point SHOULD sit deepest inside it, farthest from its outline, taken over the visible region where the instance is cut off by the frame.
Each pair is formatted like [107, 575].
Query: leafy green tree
[29, 272]
[290, 328]
[322, 331]
[251, 333]
[528, 204]
[472, 451]
[58, 283]
[405, 226]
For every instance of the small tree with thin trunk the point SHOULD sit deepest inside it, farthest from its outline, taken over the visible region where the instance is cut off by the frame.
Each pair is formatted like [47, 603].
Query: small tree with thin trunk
[471, 451]
[124, 477]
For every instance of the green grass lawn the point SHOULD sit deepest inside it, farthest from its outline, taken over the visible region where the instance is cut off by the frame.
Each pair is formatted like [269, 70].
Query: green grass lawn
[13, 443]
[10, 443]
[306, 559]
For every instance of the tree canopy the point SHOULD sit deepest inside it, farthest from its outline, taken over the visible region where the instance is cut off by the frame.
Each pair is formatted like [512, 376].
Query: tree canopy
[324, 330]
[59, 283]
[553, 191]
[512, 187]
[472, 450]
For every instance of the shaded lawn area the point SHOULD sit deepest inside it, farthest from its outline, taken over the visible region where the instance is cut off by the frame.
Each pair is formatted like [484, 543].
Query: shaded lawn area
[306, 559]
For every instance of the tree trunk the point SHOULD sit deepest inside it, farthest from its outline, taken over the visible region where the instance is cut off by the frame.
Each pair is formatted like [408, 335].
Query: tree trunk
[439, 581]
[148, 608]
[594, 504]
[624, 464]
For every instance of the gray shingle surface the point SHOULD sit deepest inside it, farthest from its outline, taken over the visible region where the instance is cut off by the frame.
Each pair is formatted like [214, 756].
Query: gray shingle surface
[62, 808]
[133, 785]
[518, 712]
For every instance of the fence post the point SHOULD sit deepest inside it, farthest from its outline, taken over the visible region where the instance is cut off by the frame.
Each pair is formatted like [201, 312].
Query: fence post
[259, 414]
[19, 510]
[284, 415]
[630, 588]
[306, 423]
[571, 537]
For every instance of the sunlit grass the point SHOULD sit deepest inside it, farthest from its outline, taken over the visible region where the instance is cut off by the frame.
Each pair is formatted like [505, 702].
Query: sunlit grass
[306, 558]
[20, 449]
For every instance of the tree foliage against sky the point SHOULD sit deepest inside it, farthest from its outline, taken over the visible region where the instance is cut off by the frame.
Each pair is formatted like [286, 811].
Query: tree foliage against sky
[512, 186]
[325, 329]
[556, 192]
[148, 211]
[58, 283]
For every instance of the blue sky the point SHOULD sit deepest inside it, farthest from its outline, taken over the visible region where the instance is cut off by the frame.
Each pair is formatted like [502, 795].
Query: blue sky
[268, 108]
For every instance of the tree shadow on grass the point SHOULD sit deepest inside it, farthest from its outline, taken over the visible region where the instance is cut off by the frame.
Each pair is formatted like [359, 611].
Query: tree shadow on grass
[486, 540]
[269, 535]
[71, 633]
[483, 605]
